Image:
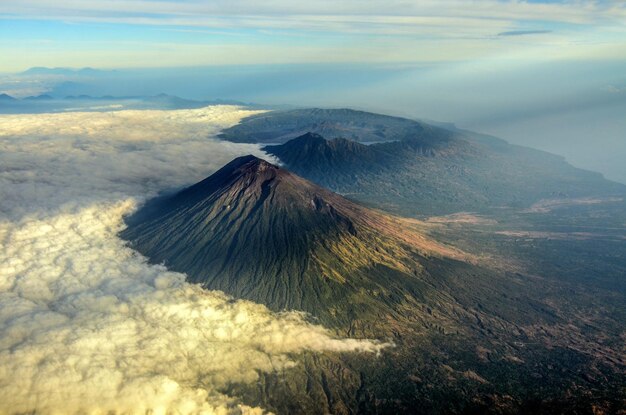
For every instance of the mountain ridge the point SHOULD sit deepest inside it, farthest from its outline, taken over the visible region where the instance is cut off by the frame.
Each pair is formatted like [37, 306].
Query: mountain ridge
[421, 176]
[281, 126]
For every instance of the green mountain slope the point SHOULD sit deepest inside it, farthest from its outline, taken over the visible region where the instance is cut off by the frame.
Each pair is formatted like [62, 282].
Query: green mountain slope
[432, 176]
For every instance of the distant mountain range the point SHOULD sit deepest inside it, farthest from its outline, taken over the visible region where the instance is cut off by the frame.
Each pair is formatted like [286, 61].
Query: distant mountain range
[42, 97]
[48, 103]
[414, 168]
[472, 334]
[39, 70]
[6, 98]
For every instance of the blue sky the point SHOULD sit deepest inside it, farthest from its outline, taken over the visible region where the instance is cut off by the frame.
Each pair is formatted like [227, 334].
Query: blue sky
[149, 33]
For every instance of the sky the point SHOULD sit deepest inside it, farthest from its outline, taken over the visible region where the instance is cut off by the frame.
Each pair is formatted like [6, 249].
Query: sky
[548, 74]
[149, 33]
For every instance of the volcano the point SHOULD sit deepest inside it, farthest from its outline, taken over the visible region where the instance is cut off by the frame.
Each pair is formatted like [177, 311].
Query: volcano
[259, 232]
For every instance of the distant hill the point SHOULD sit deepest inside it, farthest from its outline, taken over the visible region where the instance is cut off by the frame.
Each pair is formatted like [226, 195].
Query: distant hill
[40, 70]
[421, 169]
[43, 97]
[281, 126]
[6, 98]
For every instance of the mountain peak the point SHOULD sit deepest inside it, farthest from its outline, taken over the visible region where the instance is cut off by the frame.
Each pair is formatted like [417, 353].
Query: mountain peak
[251, 162]
[313, 152]
[309, 137]
[244, 177]
[251, 165]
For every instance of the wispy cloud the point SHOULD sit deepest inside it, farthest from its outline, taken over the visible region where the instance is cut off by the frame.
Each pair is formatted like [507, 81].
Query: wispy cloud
[615, 89]
[524, 32]
[246, 31]
[323, 15]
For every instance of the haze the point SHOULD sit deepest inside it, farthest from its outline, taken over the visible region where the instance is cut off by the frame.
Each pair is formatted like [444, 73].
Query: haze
[547, 74]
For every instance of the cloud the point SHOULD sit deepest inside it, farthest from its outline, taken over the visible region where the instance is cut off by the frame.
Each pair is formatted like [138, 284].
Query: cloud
[23, 86]
[86, 324]
[524, 32]
[615, 89]
[53, 159]
[255, 14]
[430, 18]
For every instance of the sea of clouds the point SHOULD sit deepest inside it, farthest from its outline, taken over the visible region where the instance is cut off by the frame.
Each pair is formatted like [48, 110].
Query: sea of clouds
[86, 324]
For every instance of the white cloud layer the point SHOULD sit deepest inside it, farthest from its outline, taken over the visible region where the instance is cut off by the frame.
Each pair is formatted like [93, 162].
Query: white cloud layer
[86, 325]
[52, 159]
